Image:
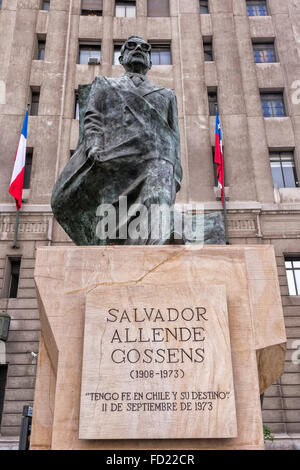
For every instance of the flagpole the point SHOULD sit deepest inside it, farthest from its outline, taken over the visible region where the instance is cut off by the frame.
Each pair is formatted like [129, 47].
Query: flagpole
[224, 186]
[17, 180]
[225, 206]
[225, 217]
[15, 246]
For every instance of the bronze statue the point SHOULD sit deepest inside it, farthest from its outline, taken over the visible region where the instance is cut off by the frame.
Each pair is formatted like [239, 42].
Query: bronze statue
[129, 147]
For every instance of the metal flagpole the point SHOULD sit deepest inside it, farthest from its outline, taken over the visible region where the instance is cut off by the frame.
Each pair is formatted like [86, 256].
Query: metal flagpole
[225, 217]
[225, 207]
[15, 246]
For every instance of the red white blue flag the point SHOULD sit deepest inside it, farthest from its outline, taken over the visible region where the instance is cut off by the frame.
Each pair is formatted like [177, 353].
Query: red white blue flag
[17, 179]
[219, 160]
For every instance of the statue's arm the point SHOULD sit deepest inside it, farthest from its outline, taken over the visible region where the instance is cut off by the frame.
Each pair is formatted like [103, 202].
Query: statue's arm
[173, 123]
[173, 113]
[94, 120]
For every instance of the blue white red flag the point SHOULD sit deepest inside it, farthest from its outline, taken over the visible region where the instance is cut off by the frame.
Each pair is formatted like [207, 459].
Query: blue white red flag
[219, 159]
[17, 179]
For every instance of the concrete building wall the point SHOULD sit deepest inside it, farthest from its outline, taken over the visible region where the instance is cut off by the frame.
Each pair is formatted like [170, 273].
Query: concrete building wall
[257, 212]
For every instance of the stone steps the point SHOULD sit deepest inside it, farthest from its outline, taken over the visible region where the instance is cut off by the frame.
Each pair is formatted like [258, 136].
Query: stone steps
[284, 442]
[9, 443]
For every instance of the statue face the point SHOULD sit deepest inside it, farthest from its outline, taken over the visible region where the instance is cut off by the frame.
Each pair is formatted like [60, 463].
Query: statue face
[136, 56]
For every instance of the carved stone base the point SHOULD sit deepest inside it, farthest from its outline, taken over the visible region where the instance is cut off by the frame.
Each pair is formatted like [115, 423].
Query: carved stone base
[74, 282]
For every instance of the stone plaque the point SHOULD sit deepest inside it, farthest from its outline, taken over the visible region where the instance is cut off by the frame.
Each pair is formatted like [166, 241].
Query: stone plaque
[157, 363]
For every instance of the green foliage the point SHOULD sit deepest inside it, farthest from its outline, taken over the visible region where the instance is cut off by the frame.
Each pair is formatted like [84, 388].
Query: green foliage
[268, 436]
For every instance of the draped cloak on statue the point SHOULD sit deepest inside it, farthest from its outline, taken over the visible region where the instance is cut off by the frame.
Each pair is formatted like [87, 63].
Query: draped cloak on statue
[133, 131]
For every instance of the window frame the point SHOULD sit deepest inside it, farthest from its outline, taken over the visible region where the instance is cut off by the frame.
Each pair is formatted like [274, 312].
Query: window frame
[257, 45]
[271, 98]
[283, 157]
[3, 384]
[8, 273]
[28, 168]
[14, 278]
[90, 12]
[256, 4]
[165, 47]
[41, 49]
[212, 102]
[125, 4]
[89, 44]
[205, 5]
[292, 259]
[76, 106]
[115, 45]
[45, 2]
[208, 43]
[158, 16]
[34, 105]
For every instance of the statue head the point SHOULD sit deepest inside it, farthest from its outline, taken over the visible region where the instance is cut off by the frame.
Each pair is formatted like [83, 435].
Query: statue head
[136, 55]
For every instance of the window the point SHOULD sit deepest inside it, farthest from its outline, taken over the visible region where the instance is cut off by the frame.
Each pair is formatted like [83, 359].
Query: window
[0, 7]
[272, 104]
[117, 53]
[158, 8]
[212, 102]
[89, 54]
[257, 8]
[292, 267]
[91, 7]
[204, 7]
[28, 166]
[283, 170]
[125, 9]
[11, 277]
[76, 112]
[3, 375]
[161, 54]
[264, 52]
[41, 49]
[45, 5]
[35, 100]
[15, 264]
[208, 49]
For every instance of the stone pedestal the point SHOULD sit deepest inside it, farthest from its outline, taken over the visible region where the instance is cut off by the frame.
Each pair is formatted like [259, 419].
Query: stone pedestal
[144, 345]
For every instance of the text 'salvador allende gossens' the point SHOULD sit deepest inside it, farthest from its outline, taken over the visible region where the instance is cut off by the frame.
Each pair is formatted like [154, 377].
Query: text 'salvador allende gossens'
[128, 339]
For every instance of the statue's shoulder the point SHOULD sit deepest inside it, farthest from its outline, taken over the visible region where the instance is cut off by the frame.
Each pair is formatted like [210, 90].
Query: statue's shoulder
[168, 94]
[102, 84]
[100, 79]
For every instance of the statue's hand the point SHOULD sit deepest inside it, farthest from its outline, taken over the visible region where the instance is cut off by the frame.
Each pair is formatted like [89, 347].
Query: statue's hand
[178, 186]
[94, 154]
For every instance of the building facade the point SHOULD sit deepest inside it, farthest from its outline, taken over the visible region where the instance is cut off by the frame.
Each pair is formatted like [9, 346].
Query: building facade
[242, 55]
